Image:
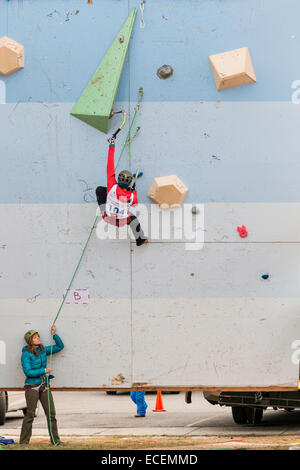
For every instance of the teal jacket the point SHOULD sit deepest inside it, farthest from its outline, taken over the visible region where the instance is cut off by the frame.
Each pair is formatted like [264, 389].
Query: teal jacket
[35, 366]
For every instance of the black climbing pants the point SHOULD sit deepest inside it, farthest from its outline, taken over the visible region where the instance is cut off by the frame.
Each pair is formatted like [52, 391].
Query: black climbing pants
[33, 395]
[101, 193]
[132, 221]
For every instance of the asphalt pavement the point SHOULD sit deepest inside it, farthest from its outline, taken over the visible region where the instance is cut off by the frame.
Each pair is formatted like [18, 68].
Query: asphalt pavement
[93, 414]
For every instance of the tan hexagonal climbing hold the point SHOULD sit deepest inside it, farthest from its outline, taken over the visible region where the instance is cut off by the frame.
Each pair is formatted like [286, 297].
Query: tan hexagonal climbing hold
[232, 68]
[11, 56]
[168, 191]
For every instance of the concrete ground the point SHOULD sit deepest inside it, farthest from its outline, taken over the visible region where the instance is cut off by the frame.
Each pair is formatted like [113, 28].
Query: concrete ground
[94, 414]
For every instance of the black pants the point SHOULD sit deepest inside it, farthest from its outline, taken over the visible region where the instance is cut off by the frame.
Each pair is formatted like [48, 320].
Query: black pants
[132, 221]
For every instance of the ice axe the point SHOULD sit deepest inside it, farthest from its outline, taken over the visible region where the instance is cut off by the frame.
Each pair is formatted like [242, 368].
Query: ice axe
[136, 175]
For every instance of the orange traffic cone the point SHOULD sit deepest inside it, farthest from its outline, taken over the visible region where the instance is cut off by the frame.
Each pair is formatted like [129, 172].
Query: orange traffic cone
[159, 403]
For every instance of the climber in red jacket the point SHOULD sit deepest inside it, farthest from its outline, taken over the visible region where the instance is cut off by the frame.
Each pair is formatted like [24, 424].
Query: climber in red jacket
[116, 199]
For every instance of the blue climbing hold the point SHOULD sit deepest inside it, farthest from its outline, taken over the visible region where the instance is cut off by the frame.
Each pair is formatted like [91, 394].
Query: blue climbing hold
[265, 276]
[139, 175]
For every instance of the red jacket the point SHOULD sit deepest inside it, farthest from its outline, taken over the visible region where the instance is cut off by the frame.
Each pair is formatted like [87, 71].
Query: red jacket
[122, 194]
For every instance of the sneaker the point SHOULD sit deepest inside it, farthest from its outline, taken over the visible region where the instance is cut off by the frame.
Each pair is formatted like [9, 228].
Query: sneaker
[60, 443]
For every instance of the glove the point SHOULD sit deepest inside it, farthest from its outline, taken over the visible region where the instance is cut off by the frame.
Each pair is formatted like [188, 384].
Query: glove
[111, 140]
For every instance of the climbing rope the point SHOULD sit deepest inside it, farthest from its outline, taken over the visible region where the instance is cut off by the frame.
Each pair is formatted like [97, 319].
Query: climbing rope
[69, 287]
[128, 138]
[56, 317]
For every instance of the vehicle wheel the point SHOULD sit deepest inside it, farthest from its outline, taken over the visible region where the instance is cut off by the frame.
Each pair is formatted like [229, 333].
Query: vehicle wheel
[2, 408]
[111, 393]
[254, 415]
[239, 414]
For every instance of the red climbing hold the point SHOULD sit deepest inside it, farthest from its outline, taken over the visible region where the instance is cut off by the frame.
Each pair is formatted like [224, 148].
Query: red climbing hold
[242, 231]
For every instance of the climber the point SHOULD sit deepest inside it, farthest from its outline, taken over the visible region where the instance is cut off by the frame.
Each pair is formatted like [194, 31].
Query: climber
[34, 364]
[116, 199]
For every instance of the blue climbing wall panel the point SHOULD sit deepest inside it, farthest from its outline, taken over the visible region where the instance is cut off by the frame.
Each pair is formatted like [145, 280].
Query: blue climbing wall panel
[162, 315]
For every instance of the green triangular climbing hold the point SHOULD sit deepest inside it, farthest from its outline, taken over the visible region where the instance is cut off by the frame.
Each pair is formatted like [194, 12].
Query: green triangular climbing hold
[97, 100]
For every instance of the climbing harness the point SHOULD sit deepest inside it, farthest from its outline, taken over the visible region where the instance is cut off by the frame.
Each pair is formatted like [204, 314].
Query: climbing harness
[142, 7]
[130, 136]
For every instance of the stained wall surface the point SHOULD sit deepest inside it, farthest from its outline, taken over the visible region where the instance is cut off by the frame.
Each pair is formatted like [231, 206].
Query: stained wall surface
[165, 314]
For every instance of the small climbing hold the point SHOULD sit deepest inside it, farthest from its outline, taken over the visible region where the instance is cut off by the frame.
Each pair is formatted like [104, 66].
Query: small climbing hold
[121, 39]
[242, 231]
[195, 210]
[139, 174]
[265, 276]
[90, 2]
[165, 71]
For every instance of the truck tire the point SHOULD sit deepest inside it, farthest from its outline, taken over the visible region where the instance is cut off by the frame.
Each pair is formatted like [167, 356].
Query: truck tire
[247, 415]
[254, 415]
[239, 414]
[2, 408]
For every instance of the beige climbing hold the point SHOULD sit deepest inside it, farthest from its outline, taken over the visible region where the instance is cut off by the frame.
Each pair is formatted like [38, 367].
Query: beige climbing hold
[168, 191]
[11, 56]
[232, 68]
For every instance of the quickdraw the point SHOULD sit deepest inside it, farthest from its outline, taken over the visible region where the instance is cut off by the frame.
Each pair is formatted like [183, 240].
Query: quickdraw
[142, 7]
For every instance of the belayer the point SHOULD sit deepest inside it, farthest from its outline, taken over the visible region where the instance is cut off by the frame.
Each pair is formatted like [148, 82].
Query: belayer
[34, 364]
[116, 199]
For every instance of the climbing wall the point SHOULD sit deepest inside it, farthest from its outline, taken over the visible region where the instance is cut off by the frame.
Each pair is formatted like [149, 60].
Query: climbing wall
[222, 313]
